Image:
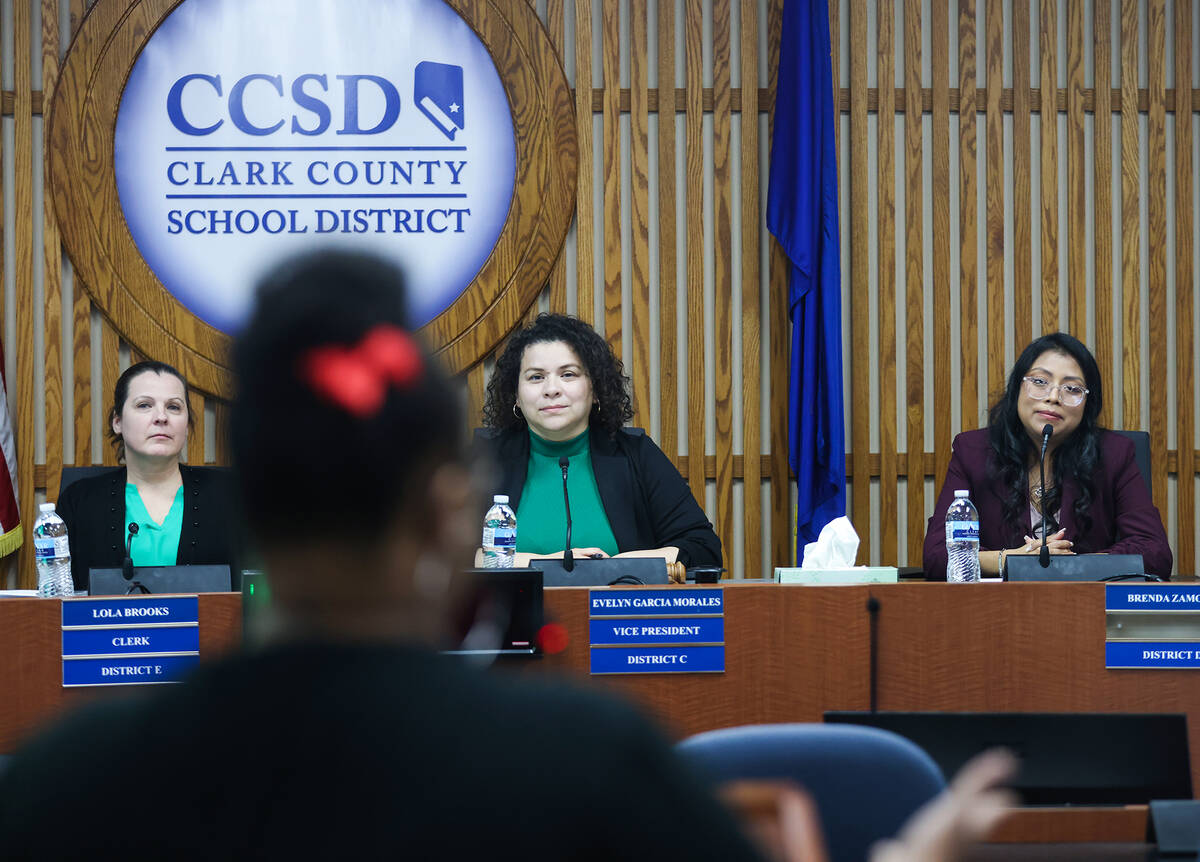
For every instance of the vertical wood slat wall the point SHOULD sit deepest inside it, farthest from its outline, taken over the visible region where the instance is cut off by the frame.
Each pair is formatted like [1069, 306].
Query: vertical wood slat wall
[1006, 284]
[1048, 255]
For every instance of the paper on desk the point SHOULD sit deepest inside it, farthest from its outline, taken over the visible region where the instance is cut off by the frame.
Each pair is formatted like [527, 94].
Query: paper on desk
[835, 548]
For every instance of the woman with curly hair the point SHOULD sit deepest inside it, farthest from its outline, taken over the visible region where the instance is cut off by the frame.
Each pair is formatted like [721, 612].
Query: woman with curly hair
[1095, 500]
[559, 392]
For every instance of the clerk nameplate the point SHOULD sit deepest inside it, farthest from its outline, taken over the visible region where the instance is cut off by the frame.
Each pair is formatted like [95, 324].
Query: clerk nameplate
[1151, 597]
[130, 611]
[126, 671]
[1152, 654]
[687, 659]
[129, 641]
[674, 602]
[701, 630]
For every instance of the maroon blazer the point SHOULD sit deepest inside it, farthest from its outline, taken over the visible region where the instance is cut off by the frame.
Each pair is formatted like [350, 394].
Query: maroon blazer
[1124, 520]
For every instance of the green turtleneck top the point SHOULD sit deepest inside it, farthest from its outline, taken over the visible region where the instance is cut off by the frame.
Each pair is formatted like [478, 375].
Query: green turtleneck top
[542, 516]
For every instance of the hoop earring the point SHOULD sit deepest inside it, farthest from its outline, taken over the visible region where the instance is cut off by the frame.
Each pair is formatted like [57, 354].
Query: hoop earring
[516, 412]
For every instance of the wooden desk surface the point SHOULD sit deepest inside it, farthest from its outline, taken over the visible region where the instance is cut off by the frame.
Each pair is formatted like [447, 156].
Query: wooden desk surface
[792, 652]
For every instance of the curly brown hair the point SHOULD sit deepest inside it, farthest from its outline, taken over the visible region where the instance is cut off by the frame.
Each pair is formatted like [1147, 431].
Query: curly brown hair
[610, 385]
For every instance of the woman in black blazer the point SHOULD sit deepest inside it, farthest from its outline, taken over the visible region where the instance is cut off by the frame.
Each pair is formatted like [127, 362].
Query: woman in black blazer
[183, 513]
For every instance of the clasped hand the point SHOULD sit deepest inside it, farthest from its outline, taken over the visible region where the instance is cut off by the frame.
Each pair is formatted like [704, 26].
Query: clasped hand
[1056, 543]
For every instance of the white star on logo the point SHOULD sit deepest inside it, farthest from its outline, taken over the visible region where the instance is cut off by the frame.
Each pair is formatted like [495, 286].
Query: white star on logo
[454, 107]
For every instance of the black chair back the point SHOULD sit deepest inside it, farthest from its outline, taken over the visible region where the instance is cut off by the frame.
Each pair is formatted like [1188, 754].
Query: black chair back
[1141, 452]
[71, 475]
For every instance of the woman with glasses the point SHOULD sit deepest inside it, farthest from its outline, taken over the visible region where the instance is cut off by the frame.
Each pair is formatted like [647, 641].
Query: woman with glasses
[1094, 499]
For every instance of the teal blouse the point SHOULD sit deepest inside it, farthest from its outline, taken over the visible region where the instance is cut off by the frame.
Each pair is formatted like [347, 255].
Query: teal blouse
[542, 515]
[155, 544]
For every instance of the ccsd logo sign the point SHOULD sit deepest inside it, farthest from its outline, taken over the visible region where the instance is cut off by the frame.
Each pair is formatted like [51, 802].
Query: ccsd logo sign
[252, 129]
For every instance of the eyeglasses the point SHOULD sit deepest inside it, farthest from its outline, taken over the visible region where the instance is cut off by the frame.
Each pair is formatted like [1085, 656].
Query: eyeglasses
[1070, 394]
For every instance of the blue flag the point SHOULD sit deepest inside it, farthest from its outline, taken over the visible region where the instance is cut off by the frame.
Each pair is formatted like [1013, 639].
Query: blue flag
[802, 213]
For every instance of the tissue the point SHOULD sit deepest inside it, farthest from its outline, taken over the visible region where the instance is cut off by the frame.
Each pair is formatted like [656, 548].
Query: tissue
[835, 548]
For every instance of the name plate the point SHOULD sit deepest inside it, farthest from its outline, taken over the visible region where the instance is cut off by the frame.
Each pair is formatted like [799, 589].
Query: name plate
[1151, 654]
[696, 659]
[111, 612]
[129, 640]
[1152, 626]
[702, 630]
[1151, 597]
[126, 671]
[657, 631]
[124, 641]
[656, 603]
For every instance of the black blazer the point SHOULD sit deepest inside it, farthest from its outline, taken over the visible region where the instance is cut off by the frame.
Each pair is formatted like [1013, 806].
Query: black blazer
[94, 509]
[646, 500]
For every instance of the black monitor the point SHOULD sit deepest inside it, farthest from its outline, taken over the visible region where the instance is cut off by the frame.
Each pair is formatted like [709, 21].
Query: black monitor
[501, 613]
[1066, 758]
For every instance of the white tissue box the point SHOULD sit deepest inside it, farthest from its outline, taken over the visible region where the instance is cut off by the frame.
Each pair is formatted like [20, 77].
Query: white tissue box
[850, 575]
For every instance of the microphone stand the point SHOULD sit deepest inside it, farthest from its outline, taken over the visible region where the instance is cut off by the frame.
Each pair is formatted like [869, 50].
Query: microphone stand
[568, 556]
[1044, 554]
[127, 563]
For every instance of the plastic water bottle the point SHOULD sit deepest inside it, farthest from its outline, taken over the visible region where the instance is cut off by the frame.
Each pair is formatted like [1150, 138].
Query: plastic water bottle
[499, 535]
[962, 540]
[52, 553]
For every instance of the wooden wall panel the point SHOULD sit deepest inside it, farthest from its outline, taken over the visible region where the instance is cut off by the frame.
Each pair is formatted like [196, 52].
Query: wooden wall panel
[694, 99]
[52, 374]
[994, 131]
[1049, 165]
[1131, 335]
[1102, 203]
[940, 241]
[1185, 190]
[751, 322]
[722, 271]
[914, 275]
[584, 275]
[968, 202]
[1076, 190]
[885, 189]
[1022, 214]
[1010, 295]
[668, 358]
[638, 364]
[610, 65]
[1156, 224]
[556, 24]
[23, 407]
[859, 309]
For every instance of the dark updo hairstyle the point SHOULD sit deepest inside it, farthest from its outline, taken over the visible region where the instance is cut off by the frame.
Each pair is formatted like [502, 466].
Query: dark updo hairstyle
[1014, 451]
[121, 395]
[307, 468]
[610, 386]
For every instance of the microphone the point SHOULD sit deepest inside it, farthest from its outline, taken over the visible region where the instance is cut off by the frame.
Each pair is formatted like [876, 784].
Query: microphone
[873, 634]
[568, 557]
[127, 563]
[1044, 554]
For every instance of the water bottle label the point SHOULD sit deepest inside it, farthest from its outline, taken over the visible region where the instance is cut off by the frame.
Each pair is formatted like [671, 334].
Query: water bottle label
[962, 531]
[47, 547]
[500, 537]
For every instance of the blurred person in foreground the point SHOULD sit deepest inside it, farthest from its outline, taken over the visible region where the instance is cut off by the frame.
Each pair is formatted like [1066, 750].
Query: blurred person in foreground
[346, 736]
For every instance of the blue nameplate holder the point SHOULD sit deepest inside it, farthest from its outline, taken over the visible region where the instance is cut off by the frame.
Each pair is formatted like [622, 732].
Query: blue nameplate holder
[132, 640]
[675, 630]
[1152, 626]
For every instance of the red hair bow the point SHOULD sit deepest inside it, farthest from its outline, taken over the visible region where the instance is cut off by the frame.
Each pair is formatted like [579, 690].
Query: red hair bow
[356, 378]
